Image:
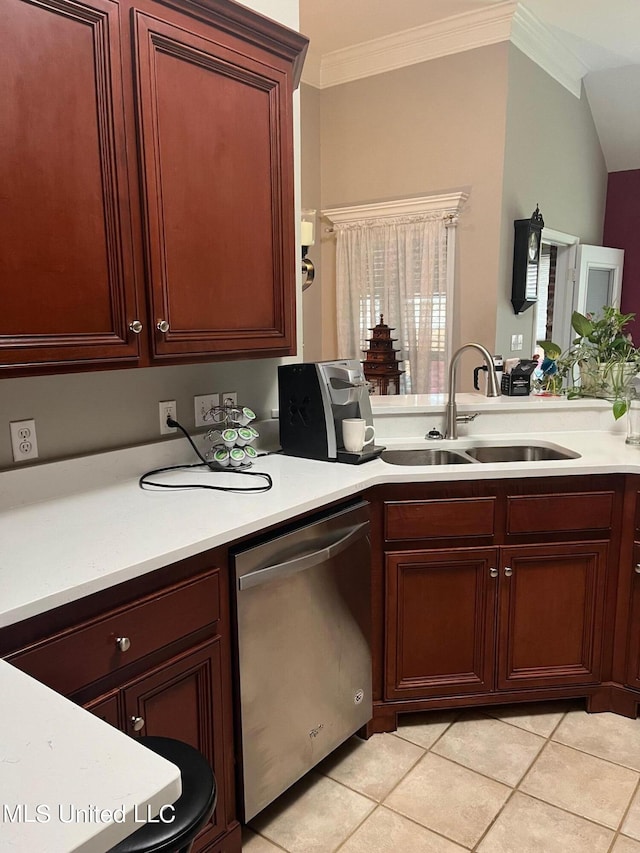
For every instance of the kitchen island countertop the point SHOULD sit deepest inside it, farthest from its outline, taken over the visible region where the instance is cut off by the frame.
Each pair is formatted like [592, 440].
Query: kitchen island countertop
[70, 782]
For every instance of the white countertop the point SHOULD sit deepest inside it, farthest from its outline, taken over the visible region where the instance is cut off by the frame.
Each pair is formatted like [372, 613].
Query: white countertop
[68, 781]
[105, 530]
[71, 528]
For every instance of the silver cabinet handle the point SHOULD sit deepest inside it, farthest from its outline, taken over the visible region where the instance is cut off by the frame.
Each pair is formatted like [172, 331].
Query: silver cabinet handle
[135, 326]
[123, 643]
[493, 572]
[636, 568]
[162, 326]
[508, 571]
[137, 723]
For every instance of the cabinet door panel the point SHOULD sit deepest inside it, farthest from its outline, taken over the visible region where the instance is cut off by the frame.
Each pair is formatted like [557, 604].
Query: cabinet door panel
[175, 700]
[65, 240]
[441, 611]
[551, 611]
[633, 637]
[219, 226]
[106, 708]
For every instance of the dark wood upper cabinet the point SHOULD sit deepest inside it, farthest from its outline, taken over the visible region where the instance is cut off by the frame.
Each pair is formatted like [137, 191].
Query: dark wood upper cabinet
[66, 266]
[146, 161]
[218, 191]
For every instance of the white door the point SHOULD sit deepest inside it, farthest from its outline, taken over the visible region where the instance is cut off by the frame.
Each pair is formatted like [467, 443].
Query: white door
[598, 278]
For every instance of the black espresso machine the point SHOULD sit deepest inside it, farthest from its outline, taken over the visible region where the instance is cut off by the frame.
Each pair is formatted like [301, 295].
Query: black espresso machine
[314, 398]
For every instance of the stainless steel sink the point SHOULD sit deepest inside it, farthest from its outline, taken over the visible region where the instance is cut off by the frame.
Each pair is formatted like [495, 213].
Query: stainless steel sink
[425, 456]
[479, 453]
[519, 453]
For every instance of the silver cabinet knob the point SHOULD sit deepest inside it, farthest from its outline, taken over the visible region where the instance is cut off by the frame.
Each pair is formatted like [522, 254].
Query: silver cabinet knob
[137, 723]
[493, 572]
[636, 568]
[135, 326]
[123, 643]
[508, 571]
[162, 326]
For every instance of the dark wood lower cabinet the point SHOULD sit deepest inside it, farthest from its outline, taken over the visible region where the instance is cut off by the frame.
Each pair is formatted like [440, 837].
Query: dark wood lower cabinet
[441, 608]
[551, 615]
[157, 664]
[489, 597]
[107, 708]
[632, 669]
[183, 699]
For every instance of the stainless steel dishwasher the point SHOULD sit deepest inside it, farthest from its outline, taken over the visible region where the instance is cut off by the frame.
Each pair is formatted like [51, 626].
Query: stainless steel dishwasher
[304, 650]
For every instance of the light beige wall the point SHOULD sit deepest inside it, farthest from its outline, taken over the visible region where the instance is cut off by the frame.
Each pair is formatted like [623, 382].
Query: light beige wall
[552, 158]
[429, 128]
[312, 298]
[82, 413]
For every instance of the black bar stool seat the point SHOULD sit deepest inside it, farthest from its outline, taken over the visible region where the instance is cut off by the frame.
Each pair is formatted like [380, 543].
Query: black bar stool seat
[192, 810]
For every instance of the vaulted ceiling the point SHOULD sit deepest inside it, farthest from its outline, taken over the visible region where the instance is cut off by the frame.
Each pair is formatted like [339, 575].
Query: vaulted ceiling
[596, 41]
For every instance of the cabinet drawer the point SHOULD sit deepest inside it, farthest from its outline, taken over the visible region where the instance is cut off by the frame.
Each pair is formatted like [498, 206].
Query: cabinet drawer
[558, 513]
[79, 656]
[440, 519]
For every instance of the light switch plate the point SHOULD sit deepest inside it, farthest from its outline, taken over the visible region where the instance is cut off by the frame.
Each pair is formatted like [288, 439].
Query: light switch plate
[202, 405]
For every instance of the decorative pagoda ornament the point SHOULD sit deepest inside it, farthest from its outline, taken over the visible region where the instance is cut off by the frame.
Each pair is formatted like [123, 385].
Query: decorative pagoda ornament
[381, 368]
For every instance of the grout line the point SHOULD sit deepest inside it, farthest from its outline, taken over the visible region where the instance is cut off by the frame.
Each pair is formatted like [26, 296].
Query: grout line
[363, 821]
[275, 843]
[593, 755]
[517, 786]
[615, 830]
[381, 803]
[618, 833]
[548, 739]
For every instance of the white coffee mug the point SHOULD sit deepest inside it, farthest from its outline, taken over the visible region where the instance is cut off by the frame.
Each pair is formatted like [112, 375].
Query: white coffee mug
[354, 431]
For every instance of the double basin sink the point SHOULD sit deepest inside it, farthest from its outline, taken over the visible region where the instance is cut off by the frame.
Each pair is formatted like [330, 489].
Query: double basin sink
[479, 453]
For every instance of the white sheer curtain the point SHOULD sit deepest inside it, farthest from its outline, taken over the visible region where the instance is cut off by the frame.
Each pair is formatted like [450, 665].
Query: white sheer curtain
[397, 267]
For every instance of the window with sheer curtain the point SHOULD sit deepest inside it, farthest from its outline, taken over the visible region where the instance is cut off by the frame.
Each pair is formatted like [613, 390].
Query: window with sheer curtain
[400, 266]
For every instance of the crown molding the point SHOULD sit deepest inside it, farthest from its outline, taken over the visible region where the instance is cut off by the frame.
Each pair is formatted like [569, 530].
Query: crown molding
[507, 21]
[419, 44]
[539, 43]
[449, 203]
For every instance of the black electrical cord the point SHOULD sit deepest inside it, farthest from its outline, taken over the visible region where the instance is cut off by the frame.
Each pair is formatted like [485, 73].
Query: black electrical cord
[145, 483]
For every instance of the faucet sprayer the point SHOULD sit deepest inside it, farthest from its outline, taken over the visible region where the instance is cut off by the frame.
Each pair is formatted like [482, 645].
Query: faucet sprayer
[493, 389]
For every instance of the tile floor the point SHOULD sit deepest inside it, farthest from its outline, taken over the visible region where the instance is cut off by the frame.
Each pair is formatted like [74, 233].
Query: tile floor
[525, 779]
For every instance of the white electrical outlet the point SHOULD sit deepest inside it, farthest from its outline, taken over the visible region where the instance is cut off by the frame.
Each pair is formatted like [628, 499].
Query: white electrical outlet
[202, 406]
[23, 440]
[516, 343]
[167, 410]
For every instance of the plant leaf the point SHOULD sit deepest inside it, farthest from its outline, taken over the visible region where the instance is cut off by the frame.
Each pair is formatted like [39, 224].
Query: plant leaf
[619, 408]
[550, 349]
[582, 325]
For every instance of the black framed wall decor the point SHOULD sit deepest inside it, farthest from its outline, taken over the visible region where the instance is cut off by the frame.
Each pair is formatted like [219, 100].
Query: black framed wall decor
[526, 260]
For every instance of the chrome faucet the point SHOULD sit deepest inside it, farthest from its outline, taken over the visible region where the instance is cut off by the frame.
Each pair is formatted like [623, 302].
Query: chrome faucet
[493, 389]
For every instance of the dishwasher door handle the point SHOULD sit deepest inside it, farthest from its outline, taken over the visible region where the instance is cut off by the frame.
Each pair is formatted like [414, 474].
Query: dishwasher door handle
[300, 564]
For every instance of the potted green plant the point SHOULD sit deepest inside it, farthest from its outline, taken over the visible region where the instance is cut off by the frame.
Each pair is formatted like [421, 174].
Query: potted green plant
[601, 361]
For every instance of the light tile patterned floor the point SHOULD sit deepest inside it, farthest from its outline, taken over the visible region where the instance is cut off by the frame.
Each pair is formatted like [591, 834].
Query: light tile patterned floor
[525, 779]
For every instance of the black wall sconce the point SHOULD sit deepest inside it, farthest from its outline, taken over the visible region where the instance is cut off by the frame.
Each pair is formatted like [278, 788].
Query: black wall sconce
[307, 239]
